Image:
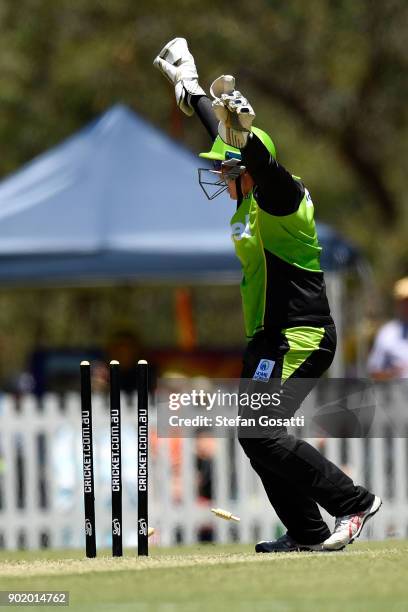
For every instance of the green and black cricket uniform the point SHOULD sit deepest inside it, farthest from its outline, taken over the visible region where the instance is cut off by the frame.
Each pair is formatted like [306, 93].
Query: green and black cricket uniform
[291, 336]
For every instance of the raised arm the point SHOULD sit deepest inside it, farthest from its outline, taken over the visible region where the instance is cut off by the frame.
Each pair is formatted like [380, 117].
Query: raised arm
[177, 64]
[204, 111]
[276, 191]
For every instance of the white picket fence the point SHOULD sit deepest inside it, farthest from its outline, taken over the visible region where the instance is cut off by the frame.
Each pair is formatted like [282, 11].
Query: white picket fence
[41, 496]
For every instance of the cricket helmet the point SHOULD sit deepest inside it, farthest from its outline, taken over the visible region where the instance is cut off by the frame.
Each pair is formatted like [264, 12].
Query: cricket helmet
[228, 159]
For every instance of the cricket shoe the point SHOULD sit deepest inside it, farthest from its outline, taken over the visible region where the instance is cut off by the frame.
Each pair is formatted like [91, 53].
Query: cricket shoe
[347, 528]
[286, 544]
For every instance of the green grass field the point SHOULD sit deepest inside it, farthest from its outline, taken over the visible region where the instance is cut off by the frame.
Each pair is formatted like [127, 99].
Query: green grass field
[366, 577]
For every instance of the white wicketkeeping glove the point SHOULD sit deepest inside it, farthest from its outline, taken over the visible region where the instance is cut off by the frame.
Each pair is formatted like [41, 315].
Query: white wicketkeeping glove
[233, 111]
[177, 64]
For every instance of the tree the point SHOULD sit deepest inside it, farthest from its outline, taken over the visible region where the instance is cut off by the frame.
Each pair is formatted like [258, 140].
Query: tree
[335, 68]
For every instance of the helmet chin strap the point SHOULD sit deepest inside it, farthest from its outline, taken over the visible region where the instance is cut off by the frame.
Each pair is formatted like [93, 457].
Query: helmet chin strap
[240, 195]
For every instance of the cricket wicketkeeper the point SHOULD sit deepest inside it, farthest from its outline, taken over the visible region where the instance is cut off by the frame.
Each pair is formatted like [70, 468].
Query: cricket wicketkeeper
[292, 336]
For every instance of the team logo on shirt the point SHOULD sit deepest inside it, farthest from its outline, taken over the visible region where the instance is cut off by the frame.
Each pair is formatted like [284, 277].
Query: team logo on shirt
[309, 201]
[264, 370]
[241, 230]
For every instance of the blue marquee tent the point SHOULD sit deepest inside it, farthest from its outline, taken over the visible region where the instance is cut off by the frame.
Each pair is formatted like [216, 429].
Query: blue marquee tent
[119, 201]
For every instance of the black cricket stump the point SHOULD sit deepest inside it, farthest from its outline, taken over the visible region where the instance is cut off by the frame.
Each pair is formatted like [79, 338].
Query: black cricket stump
[87, 457]
[116, 459]
[142, 458]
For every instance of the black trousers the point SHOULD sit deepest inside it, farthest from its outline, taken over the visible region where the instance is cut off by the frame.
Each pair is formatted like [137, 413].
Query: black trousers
[296, 477]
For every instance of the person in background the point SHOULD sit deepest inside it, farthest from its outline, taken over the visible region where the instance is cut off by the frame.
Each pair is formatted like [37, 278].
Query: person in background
[388, 359]
[206, 448]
